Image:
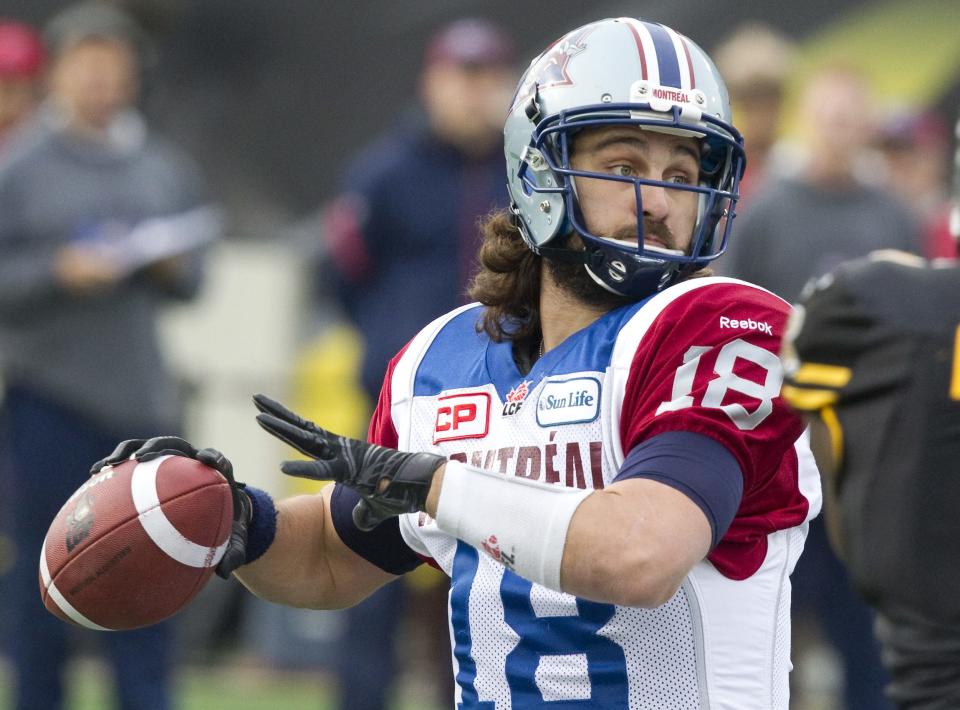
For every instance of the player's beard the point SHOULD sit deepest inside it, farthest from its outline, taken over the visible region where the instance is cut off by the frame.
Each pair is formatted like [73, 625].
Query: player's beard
[575, 280]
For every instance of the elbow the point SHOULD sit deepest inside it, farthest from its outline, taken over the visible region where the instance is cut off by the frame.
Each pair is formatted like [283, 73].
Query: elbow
[645, 582]
[645, 595]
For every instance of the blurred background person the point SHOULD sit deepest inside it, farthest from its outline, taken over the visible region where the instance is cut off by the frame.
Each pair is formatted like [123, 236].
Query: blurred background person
[797, 228]
[21, 67]
[757, 62]
[913, 146]
[401, 238]
[100, 224]
[403, 229]
[824, 212]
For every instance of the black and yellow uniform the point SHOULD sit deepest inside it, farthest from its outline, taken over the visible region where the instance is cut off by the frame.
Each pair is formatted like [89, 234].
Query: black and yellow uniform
[875, 352]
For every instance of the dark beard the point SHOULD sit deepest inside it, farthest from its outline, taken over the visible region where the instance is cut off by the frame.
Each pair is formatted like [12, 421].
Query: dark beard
[574, 279]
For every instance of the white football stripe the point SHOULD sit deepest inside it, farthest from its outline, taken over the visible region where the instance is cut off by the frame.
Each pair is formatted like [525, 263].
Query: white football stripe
[649, 50]
[143, 487]
[59, 599]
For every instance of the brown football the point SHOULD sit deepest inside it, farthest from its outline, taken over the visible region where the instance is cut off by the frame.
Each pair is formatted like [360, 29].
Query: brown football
[135, 543]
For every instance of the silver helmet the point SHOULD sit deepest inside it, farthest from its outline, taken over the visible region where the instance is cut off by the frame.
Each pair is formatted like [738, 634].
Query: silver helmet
[621, 71]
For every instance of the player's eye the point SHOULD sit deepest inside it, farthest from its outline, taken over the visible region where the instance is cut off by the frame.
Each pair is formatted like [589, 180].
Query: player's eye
[624, 171]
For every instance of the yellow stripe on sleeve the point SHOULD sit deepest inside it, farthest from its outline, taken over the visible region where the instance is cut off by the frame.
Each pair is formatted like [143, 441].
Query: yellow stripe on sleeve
[808, 400]
[812, 373]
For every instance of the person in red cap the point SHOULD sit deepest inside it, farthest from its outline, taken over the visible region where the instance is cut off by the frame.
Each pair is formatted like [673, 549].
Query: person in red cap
[21, 63]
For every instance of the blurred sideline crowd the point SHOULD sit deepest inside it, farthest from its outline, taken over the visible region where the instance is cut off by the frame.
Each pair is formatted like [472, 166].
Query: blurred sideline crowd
[104, 222]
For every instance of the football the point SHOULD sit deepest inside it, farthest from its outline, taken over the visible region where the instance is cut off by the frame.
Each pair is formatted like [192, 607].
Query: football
[135, 543]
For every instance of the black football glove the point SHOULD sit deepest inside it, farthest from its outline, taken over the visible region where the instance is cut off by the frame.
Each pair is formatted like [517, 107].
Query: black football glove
[149, 449]
[389, 482]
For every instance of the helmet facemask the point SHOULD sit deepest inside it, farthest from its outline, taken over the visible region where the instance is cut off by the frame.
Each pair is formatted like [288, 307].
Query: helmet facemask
[635, 265]
[621, 72]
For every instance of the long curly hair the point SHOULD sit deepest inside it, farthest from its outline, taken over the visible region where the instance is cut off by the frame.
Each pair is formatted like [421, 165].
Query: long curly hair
[508, 281]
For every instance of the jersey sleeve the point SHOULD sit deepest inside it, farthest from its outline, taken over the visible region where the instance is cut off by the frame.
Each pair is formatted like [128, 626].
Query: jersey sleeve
[382, 430]
[844, 339]
[828, 334]
[708, 363]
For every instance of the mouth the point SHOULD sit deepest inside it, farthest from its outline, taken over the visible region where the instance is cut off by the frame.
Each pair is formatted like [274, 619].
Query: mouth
[650, 244]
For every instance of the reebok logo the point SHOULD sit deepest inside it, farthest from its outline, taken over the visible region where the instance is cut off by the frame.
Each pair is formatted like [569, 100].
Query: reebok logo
[748, 324]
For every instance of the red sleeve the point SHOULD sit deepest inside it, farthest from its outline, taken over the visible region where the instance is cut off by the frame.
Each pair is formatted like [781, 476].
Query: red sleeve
[381, 430]
[708, 365]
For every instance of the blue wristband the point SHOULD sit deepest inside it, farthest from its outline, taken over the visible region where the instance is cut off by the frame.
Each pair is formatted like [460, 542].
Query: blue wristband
[263, 523]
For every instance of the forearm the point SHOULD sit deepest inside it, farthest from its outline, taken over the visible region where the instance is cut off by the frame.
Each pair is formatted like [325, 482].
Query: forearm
[630, 544]
[307, 565]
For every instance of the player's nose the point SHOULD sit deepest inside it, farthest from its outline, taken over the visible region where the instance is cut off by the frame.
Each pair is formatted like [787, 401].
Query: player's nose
[654, 201]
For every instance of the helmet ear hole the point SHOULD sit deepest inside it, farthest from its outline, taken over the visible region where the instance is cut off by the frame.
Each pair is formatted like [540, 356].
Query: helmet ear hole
[524, 182]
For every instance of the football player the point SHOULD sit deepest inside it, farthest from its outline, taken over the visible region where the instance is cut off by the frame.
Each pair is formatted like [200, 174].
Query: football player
[597, 452]
[873, 358]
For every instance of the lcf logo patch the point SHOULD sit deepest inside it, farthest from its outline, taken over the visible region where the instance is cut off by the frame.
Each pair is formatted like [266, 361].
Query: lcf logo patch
[572, 401]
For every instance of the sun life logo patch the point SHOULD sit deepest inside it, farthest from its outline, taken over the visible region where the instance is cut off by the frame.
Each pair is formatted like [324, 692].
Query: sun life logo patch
[571, 401]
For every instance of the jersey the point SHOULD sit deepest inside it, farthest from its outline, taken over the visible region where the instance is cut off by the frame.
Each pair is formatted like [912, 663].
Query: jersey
[698, 357]
[878, 355]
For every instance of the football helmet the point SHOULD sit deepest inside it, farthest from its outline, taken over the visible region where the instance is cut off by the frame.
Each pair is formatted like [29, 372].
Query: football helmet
[621, 71]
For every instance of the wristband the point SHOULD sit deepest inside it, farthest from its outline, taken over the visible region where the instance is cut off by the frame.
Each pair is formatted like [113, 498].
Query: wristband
[519, 523]
[263, 523]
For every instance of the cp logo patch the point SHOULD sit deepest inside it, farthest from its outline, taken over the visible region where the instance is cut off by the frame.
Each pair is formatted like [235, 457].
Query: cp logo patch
[462, 416]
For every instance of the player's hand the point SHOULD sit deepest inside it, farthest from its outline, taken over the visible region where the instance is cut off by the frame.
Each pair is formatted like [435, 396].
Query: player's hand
[389, 482]
[149, 449]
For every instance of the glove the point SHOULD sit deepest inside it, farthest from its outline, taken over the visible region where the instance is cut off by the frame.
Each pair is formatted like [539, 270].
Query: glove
[149, 449]
[389, 482]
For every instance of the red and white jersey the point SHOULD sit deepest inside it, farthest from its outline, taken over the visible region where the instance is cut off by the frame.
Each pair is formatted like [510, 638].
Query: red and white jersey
[699, 357]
